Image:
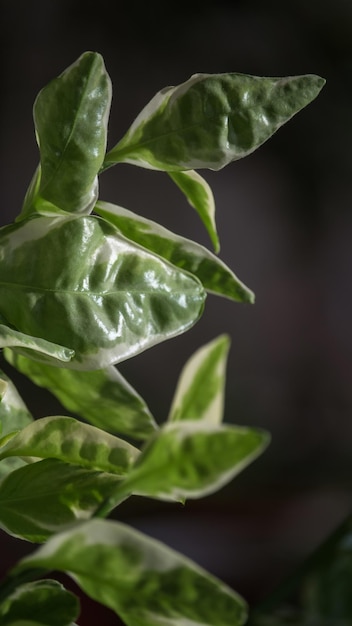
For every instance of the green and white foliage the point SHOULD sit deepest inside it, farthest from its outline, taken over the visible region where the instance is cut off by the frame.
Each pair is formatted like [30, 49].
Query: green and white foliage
[86, 284]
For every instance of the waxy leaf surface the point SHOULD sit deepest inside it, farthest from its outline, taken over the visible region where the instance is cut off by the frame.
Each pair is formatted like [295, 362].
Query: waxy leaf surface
[77, 282]
[215, 276]
[211, 120]
[71, 116]
[40, 499]
[200, 196]
[45, 600]
[14, 416]
[67, 439]
[142, 580]
[200, 389]
[102, 397]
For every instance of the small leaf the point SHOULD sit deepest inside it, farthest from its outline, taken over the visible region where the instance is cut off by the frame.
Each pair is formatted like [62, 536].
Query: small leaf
[102, 397]
[200, 196]
[189, 459]
[46, 600]
[67, 439]
[40, 499]
[200, 390]
[211, 120]
[34, 346]
[14, 416]
[77, 282]
[139, 578]
[215, 276]
[71, 116]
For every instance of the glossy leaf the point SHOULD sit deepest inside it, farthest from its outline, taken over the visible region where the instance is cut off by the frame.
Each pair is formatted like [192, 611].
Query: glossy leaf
[14, 416]
[211, 120]
[40, 499]
[200, 390]
[46, 601]
[67, 439]
[215, 276]
[189, 459]
[34, 346]
[71, 116]
[77, 282]
[139, 578]
[200, 197]
[102, 397]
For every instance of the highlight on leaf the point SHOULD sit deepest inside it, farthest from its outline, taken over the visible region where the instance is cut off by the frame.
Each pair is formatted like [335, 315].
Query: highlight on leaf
[214, 275]
[211, 120]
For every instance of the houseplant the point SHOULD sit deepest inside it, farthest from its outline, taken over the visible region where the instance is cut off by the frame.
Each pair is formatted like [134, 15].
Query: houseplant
[86, 284]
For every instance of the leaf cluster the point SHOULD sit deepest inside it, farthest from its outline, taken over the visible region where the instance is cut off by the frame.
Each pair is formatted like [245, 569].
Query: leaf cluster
[86, 284]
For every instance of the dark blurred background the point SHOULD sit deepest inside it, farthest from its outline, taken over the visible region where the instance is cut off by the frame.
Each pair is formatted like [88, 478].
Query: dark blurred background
[285, 223]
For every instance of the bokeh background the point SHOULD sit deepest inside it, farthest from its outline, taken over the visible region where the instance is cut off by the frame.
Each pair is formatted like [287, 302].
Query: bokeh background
[285, 222]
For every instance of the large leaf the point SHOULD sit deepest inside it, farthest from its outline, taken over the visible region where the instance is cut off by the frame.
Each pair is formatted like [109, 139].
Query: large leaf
[215, 276]
[45, 601]
[71, 116]
[211, 120]
[200, 196]
[67, 439]
[189, 459]
[40, 499]
[200, 389]
[14, 416]
[77, 282]
[102, 397]
[142, 580]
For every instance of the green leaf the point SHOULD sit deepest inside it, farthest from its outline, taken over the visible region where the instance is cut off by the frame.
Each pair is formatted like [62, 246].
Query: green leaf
[139, 578]
[200, 197]
[14, 415]
[33, 346]
[47, 601]
[3, 387]
[211, 120]
[40, 499]
[67, 439]
[189, 459]
[200, 390]
[102, 397]
[71, 116]
[215, 276]
[77, 282]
